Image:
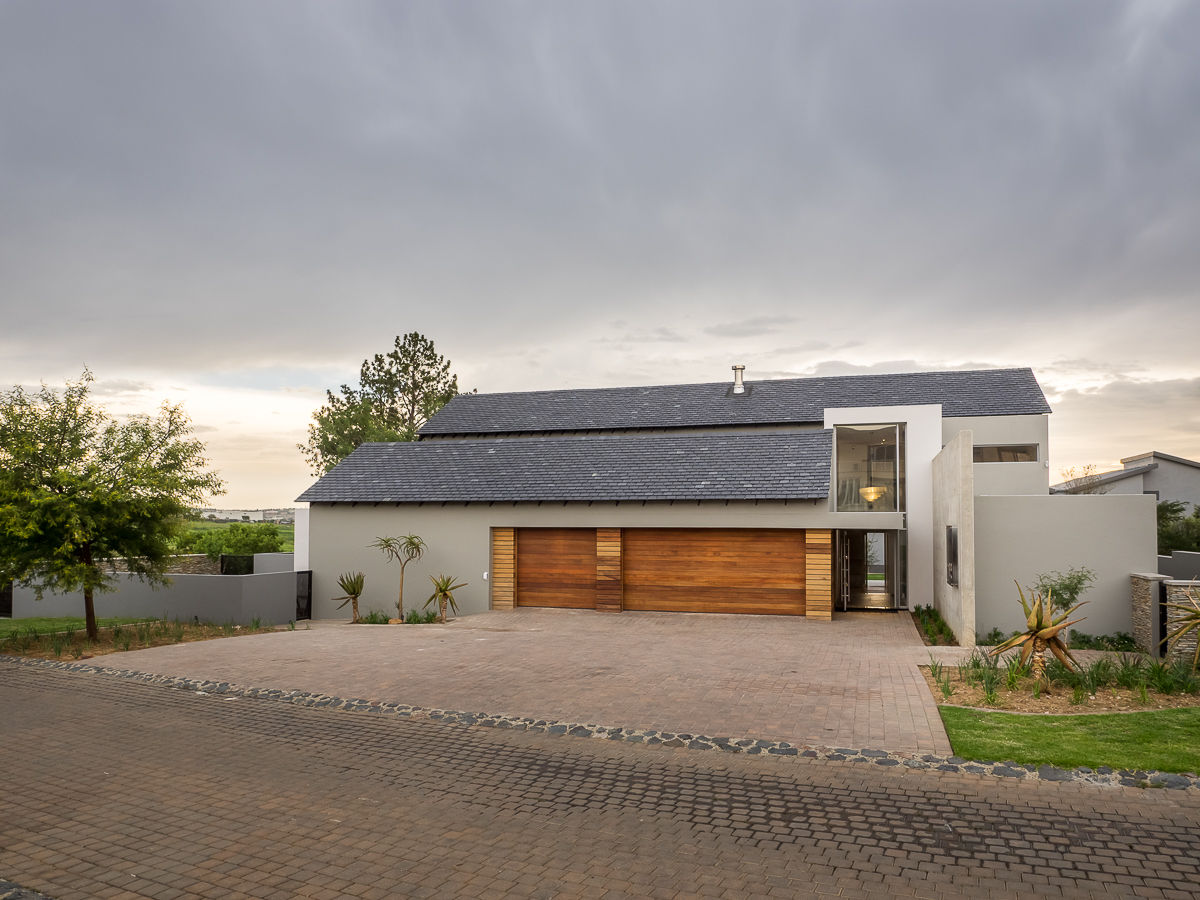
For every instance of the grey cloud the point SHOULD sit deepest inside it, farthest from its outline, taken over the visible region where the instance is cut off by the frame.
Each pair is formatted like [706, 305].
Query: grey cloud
[751, 327]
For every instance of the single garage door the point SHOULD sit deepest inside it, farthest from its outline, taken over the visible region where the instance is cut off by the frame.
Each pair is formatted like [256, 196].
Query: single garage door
[556, 567]
[714, 570]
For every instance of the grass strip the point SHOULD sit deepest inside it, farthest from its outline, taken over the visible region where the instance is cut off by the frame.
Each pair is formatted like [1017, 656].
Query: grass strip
[1167, 740]
[46, 625]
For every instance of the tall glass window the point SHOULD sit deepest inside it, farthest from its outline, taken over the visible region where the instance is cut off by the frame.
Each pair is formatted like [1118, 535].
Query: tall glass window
[869, 468]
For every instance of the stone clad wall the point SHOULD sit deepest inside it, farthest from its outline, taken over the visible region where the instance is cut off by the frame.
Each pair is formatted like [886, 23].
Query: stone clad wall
[1182, 592]
[1144, 588]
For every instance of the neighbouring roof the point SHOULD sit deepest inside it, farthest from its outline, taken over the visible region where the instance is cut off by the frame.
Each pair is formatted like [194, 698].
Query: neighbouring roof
[988, 392]
[1158, 454]
[728, 466]
[1076, 486]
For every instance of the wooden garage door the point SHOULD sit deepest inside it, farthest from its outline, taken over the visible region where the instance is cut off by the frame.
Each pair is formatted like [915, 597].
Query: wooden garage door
[556, 567]
[714, 570]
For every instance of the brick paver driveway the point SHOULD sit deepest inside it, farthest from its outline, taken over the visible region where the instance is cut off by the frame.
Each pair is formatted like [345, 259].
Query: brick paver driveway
[851, 683]
[116, 788]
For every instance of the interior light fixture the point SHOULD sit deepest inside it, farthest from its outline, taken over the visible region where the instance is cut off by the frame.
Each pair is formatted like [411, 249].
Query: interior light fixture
[872, 493]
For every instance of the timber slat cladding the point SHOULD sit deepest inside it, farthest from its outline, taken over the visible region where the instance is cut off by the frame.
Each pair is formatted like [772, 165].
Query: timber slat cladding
[818, 548]
[608, 569]
[504, 571]
[722, 570]
[556, 567]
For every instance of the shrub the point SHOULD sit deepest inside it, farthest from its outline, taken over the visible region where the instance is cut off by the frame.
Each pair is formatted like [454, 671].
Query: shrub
[375, 617]
[1121, 642]
[1063, 589]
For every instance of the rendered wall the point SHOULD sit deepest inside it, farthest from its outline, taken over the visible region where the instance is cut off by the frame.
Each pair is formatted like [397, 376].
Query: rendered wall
[1175, 481]
[954, 504]
[1182, 565]
[1006, 478]
[212, 598]
[265, 563]
[459, 538]
[1020, 537]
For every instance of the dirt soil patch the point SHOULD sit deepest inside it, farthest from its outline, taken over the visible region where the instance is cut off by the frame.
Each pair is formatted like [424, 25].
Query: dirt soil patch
[1060, 700]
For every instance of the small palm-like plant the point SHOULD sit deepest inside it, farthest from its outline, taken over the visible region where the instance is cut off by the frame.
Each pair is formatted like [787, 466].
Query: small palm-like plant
[444, 587]
[404, 549]
[1042, 627]
[352, 584]
[1187, 621]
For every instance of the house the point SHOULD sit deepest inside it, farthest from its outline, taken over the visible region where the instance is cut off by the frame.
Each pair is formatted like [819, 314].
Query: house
[803, 496]
[1162, 475]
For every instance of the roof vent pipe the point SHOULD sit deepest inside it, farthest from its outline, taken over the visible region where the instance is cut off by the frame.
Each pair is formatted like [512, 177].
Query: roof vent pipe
[738, 386]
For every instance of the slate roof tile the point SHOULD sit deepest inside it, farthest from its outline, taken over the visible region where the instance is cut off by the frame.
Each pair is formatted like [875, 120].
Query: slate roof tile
[987, 392]
[727, 466]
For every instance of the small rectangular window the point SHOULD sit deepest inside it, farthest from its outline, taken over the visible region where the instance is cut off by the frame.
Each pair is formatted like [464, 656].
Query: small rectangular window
[952, 555]
[990, 453]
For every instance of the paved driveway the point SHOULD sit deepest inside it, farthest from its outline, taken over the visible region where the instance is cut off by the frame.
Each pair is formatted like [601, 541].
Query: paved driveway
[849, 683]
[118, 789]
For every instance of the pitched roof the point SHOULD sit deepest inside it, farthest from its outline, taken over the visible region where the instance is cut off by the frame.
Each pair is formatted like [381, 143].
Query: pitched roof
[988, 392]
[729, 466]
[1089, 484]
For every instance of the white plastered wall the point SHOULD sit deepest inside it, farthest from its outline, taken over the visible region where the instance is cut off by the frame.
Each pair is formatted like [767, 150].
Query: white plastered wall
[923, 441]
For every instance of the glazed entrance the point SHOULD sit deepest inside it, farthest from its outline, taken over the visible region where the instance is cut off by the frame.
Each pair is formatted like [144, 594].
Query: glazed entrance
[869, 570]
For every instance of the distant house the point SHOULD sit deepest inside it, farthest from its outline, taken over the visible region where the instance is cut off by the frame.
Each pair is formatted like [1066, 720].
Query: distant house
[1162, 475]
[803, 496]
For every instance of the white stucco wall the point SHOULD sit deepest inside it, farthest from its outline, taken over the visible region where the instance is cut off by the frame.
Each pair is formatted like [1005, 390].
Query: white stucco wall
[954, 504]
[1020, 537]
[1007, 478]
[1174, 481]
[923, 441]
[459, 538]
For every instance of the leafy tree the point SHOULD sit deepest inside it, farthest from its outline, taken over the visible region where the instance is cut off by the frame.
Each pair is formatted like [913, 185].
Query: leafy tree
[1175, 530]
[405, 549]
[80, 491]
[238, 538]
[397, 393]
[1063, 589]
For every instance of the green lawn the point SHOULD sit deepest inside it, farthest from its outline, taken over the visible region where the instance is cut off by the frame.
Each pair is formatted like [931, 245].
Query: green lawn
[46, 625]
[1167, 740]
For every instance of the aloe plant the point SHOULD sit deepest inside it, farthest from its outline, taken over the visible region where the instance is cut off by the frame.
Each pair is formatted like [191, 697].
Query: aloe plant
[444, 587]
[1042, 627]
[405, 549]
[1188, 621]
[352, 584]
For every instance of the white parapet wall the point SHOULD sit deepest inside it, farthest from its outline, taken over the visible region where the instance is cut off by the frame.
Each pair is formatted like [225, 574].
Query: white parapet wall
[1017, 538]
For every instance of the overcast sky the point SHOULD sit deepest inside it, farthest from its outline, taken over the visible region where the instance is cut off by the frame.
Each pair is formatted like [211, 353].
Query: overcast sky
[231, 204]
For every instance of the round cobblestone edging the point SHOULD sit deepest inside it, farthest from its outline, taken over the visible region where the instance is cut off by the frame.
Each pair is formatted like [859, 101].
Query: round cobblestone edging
[11, 891]
[1102, 775]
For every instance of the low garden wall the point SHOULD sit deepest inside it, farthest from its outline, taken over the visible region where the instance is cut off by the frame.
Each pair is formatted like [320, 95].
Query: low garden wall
[268, 597]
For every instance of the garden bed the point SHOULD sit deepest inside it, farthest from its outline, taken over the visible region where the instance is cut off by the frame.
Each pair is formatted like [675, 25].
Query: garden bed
[1105, 682]
[47, 641]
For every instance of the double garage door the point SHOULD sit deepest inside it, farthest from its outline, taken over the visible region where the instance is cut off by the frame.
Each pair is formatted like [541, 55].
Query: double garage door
[667, 569]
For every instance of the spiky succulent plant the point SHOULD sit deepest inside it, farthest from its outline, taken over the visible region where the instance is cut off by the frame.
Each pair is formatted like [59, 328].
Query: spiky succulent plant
[1187, 620]
[1042, 630]
[352, 584]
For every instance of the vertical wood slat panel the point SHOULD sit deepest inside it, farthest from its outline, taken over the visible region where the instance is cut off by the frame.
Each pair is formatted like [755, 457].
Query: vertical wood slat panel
[504, 569]
[818, 575]
[608, 569]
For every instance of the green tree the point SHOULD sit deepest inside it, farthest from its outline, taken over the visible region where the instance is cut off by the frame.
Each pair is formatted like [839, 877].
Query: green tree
[238, 538]
[397, 393]
[80, 491]
[1175, 530]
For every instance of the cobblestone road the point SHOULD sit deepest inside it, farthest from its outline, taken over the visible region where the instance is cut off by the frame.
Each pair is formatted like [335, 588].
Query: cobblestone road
[115, 788]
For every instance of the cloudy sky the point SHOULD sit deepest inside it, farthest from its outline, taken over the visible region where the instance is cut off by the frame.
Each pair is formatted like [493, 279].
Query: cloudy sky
[231, 204]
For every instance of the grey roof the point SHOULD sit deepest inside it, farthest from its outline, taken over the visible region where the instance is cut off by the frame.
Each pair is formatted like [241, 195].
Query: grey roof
[727, 466]
[1089, 484]
[988, 392]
